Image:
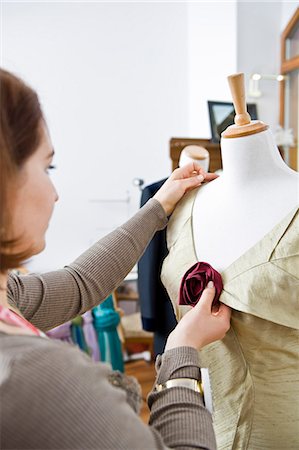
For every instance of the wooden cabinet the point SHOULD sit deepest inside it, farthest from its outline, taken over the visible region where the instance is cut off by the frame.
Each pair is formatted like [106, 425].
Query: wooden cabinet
[178, 144]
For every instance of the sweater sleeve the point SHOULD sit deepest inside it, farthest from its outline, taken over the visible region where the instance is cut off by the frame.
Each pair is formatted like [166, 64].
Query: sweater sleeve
[65, 401]
[178, 413]
[53, 298]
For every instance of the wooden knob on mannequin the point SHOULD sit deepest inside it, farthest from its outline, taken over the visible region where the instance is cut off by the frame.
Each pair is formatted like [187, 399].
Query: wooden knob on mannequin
[195, 153]
[237, 87]
[244, 126]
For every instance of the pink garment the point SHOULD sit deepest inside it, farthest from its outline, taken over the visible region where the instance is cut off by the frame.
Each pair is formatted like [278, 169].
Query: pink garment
[11, 318]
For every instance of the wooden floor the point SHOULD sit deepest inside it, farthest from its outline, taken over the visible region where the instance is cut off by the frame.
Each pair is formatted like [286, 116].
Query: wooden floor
[145, 374]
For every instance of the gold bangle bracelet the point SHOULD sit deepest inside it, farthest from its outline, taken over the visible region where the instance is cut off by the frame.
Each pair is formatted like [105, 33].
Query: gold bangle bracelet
[189, 383]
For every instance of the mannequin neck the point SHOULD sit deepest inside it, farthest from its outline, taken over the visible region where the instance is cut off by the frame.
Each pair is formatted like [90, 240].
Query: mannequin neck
[251, 159]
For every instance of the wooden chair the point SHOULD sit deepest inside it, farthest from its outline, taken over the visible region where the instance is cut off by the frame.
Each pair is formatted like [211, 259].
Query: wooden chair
[130, 328]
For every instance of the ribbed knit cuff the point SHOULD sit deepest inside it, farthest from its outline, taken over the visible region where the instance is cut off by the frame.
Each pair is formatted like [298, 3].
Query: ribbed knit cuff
[180, 362]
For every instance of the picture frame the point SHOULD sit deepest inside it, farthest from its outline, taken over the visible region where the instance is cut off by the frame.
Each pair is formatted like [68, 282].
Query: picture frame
[222, 115]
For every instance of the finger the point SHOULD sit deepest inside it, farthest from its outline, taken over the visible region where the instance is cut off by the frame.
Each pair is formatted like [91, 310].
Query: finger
[189, 183]
[215, 308]
[207, 297]
[197, 169]
[224, 314]
[211, 176]
[225, 311]
[186, 171]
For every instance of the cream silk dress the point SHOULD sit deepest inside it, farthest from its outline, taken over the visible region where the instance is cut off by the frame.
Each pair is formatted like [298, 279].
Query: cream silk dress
[254, 370]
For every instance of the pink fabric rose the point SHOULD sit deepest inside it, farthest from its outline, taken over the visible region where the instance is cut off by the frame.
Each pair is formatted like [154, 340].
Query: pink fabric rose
[195, 281]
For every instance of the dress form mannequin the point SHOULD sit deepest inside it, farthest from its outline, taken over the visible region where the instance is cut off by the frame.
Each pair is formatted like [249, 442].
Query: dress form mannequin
[195, 153]
[245, 224]
[253, 194]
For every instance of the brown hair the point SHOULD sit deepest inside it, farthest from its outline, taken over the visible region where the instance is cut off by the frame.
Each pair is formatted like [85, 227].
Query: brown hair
[20, 120]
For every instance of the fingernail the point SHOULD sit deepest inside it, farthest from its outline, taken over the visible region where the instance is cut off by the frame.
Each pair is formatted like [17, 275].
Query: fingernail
[210, 284]
[200, 177]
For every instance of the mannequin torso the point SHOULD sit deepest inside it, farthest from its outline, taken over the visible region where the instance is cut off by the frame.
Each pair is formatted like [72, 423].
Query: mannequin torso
[252, 205]
[253, 194]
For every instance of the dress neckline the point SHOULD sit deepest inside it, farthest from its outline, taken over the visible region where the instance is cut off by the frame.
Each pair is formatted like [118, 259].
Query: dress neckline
[276, 231]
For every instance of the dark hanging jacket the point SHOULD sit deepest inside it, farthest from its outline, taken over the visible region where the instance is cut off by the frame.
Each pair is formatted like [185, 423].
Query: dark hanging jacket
[156, 309]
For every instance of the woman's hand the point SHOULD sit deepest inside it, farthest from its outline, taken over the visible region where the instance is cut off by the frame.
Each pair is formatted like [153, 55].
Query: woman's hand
[181, 181]
[202, 325]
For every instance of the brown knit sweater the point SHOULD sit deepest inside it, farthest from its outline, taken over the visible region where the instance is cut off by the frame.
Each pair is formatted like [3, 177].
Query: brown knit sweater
[54, 397]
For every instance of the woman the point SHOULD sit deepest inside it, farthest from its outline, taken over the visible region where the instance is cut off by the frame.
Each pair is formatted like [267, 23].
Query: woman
[52, 395]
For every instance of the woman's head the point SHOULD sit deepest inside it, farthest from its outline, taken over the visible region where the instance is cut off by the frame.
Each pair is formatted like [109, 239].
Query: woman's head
[27, 195]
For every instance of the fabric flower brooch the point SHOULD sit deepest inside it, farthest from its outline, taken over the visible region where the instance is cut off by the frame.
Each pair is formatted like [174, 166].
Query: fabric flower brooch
[195, 281]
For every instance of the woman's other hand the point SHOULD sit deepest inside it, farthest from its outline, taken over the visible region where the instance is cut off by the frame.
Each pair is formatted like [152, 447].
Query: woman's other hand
[202, 324]
[181, 181]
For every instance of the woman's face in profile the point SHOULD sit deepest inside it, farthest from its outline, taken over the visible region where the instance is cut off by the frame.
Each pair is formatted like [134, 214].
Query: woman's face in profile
[35, 197]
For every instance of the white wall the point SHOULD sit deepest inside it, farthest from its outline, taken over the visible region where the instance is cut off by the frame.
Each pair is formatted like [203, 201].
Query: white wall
[288, 10]
[113, 82]
[258, 51]
[233, 36]
[212, 57]
[117, 81]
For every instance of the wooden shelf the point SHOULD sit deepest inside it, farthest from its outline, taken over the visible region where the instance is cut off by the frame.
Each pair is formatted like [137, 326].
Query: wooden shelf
[123, 296]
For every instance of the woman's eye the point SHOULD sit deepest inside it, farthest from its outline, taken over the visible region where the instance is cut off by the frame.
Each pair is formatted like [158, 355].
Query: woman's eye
[51, 167]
